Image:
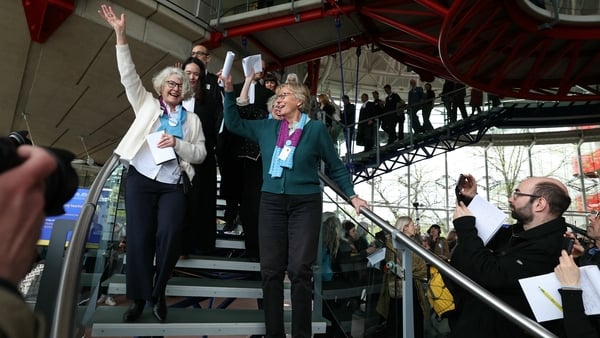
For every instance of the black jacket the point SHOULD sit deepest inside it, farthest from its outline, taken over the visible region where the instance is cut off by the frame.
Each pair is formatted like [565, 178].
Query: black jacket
[521, 254]
[577, 323]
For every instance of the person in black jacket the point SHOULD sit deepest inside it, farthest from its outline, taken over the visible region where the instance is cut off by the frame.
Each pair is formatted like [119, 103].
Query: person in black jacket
[203, 231]
[577, 323]
[528, 248]
[367, 128]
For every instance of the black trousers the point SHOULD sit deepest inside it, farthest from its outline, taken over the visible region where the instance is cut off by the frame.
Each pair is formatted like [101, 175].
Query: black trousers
[251, 183]
[155, 221]
[289, 233]
[201, 221]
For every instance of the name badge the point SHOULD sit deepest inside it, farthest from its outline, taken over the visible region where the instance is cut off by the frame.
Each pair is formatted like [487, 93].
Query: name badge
[285, 152]
[208, 86]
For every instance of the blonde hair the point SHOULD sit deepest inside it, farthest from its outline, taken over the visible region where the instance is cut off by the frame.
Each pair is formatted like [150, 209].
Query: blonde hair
[300, 92]
[402, 221]
[330, 232]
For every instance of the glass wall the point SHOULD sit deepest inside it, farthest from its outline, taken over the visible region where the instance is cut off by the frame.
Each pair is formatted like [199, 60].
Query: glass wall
[425, 190]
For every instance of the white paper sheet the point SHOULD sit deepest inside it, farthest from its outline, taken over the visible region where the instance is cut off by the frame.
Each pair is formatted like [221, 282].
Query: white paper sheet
[227, 64]
[252, 62]
[547, 306]
[376, 257]
[488, 218]
[160, 155]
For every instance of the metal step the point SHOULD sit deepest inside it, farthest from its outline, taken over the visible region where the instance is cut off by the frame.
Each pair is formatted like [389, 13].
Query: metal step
[202, 287]
[218, 263]
[215, 263]
[189, 322]
[237, 288]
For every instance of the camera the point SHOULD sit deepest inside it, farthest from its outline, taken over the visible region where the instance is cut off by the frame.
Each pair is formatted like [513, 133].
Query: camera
[61, 184]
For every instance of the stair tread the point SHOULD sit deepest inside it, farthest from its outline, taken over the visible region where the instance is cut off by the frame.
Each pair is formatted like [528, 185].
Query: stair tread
[237, 288]
[194, 322]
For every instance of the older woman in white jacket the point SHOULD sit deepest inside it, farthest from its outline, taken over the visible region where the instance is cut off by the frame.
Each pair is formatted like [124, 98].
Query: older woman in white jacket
[154, 198]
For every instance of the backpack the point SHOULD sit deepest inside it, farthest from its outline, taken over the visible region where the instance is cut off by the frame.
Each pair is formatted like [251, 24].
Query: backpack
[438, 294]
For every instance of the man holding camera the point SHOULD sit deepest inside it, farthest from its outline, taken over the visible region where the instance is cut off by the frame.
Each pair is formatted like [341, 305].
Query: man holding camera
[528, 248]
[22, 191]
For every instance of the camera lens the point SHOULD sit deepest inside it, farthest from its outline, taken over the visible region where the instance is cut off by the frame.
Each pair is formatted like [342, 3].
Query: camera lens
[19, 137]
[61, 185]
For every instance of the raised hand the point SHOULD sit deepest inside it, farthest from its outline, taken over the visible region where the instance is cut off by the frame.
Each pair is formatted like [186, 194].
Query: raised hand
[116, 22]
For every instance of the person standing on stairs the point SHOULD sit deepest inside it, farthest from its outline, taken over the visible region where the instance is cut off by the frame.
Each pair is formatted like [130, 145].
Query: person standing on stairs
[291, 201]
[155, 201]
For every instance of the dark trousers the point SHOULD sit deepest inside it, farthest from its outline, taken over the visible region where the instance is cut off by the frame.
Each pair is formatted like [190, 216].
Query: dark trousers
[366, 134]
[450, 111]
[414, 120]
[201, 221]
[459, 103]
[289, 234]
[251, 182]
[349, 136]
[426, 116]
[395, 321]
[389, 127]
[155, 221]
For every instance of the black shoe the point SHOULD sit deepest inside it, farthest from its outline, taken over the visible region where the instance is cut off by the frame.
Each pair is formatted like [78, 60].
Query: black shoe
[229, 226]
[134, 311]
[159, 310]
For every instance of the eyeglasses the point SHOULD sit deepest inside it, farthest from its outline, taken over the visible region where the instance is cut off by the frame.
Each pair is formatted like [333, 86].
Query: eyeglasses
[283, 95]
[199, 53]
[173, 84]
[516, 194]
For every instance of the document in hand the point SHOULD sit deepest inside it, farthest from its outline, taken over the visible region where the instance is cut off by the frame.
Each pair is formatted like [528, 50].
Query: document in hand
[160, 155]
[376, 257]
[227, 64]
[545, 302]
[252, 62]
[488, 218]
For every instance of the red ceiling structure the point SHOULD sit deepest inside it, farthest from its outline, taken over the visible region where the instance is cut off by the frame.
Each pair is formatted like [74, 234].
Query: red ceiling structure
[502, 47]
[45, 16]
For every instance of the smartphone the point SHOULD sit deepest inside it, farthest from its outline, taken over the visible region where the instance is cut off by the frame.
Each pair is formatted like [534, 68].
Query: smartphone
[459, 196]
[568, 244]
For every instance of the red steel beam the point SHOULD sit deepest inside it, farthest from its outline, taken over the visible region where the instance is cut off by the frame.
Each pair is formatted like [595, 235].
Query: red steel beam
[282, 21]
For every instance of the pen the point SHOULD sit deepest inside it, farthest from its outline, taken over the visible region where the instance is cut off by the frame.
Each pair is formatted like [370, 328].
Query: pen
[557, 304]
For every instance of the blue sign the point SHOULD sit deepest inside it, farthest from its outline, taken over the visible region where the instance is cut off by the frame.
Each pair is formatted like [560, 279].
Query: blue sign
[72, 210]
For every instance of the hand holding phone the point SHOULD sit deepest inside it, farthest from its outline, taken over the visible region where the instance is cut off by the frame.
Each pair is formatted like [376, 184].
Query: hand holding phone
[568, 243]
[459, 195]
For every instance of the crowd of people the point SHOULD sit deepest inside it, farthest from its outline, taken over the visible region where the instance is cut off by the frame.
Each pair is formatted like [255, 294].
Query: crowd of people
[534, 245]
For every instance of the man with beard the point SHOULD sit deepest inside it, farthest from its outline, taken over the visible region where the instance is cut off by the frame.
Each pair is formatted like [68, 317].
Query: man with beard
[528, 248]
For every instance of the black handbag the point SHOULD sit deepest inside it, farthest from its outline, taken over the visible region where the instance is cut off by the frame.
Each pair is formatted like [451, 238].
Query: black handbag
[185, 180]
[187, 185]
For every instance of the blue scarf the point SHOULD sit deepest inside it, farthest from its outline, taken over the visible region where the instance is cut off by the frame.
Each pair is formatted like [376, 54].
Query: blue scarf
[285, 139]
[172, 126]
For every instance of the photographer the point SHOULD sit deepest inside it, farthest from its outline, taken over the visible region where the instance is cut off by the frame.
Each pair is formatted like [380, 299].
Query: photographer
[22, 190]
[528, 248]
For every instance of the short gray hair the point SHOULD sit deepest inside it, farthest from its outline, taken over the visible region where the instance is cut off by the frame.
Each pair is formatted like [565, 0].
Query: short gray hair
[300, 91]
[159, 80]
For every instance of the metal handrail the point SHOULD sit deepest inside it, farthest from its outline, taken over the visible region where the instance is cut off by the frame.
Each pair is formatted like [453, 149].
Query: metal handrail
[66, 300]
[469, 285]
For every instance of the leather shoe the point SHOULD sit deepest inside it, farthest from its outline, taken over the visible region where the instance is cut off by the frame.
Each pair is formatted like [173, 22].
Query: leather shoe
[159, 310]
[134, 311]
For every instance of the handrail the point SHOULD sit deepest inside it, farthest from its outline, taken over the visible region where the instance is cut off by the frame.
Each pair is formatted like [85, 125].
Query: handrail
[64, 310]
[484, 295]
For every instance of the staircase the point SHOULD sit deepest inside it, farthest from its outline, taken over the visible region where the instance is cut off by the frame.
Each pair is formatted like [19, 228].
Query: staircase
[198, 278]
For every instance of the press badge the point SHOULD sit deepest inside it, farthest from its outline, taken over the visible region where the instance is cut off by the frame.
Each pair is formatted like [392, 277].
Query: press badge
[285, 152]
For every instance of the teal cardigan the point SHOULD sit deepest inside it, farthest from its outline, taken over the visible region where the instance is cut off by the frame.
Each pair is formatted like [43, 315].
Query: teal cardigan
[315, 145]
